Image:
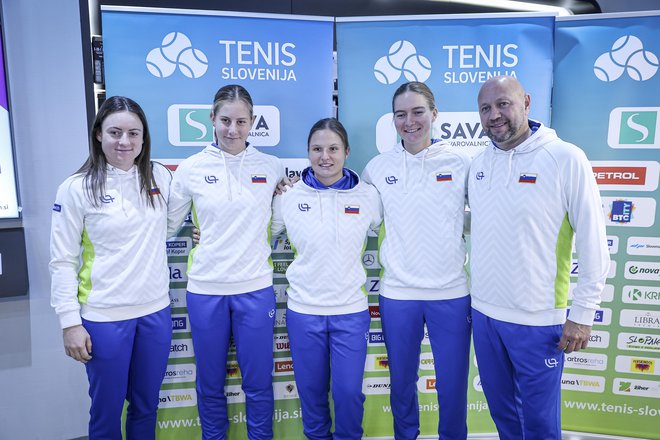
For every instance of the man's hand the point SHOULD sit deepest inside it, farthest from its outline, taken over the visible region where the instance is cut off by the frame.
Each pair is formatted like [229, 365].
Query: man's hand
[575, 337]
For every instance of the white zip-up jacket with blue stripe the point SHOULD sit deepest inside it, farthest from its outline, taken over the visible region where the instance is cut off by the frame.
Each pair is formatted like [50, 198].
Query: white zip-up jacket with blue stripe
[109, 262]
[328, 231]
[230, 197]
[526, 204]
[422, 248]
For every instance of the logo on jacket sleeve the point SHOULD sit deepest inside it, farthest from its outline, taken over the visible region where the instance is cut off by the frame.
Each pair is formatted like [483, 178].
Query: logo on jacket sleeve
[443, 176]
[351, 209]
[106, 198]
[304, 207]
[211, 179]
[527, 178]
[57, 208]
[480, 175]
[391, 180]
[259, 178]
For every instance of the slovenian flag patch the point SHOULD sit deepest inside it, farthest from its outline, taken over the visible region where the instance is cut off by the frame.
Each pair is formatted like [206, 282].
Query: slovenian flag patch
[351, 209]
[154, 191]
[527, 178]
[444, 176]
[259, 178]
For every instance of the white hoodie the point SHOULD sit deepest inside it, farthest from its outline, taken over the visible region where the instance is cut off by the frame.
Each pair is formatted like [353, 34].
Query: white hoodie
[526, 203]
[422, 249]
[230, 197]
[123, 272]
[328, 230]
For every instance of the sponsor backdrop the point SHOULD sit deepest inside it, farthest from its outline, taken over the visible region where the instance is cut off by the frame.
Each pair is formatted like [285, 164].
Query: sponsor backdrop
[172, 63]
[454, 55]
[606, 101]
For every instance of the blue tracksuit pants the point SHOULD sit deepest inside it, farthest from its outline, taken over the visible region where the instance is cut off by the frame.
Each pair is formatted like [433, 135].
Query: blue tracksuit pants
[329, 348]
[448, 325]
[250, 318]
[129, 359]
[520, 368]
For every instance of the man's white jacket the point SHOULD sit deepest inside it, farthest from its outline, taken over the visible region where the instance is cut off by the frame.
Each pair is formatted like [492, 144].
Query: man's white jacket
[526, 204]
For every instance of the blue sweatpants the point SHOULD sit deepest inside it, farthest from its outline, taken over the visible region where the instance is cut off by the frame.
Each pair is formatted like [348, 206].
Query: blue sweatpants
[129, 359]
[520, 368]
[250, 318]
[325, 347]
[448, 324]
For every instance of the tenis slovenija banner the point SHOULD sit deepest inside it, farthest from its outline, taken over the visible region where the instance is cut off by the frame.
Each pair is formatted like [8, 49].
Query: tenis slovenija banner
[454, 55]
[172, 62]
[607, 101]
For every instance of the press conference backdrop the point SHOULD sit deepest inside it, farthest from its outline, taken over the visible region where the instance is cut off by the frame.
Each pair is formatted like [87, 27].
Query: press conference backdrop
[606, 99]
[174, 79]
[172, 62]
[454, 55]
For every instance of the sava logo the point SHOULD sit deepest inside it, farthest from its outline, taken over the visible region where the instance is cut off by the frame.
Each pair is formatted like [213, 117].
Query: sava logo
[634, 127]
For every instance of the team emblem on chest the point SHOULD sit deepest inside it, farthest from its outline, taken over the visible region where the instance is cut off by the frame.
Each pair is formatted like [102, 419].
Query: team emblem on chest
[351, 209]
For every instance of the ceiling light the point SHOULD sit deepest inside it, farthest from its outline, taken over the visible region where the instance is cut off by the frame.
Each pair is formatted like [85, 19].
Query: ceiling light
[513, 6]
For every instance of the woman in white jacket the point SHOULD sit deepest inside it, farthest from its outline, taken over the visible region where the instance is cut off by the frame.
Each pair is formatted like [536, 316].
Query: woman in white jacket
[422, 183]
[327, 215]
[229, 188]
[110, 280]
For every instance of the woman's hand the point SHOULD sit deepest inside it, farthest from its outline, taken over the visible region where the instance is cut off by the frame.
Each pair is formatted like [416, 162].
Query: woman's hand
[285, 183]
[77, 343]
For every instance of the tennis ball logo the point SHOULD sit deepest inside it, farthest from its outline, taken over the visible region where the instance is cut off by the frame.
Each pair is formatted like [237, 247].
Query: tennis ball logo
[626, 55]
[402, 58]
[176, 51]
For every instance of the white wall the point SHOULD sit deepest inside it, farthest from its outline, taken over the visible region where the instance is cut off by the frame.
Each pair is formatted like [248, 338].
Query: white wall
[44, 392]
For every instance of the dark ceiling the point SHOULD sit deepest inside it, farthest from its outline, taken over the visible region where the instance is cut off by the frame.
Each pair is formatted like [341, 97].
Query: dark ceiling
[345, 8]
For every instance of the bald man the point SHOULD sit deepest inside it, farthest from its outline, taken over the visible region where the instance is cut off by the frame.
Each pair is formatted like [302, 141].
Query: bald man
[530, 193]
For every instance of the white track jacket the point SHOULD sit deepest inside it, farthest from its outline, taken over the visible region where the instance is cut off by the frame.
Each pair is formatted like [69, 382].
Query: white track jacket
[328, 230]
[422, 248]
[122, 270]
[526, 205]
[231, 198]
